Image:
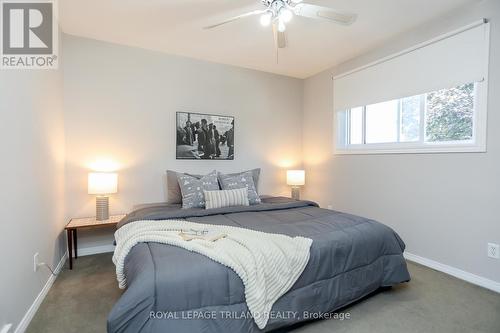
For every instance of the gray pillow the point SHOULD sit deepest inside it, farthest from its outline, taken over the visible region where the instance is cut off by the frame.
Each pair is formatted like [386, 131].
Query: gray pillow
[192, 189]
[255, 176]
[241, 180]
[174, 195]
[226, 198]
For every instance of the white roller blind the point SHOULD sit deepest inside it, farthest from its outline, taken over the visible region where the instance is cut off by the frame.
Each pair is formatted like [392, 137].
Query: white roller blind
[445, 62]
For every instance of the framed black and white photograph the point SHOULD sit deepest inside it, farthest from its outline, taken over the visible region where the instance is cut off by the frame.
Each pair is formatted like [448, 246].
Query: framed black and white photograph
[204, 136]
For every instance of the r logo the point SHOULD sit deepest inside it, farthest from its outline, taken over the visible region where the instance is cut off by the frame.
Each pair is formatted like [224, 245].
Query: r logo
[27, 28]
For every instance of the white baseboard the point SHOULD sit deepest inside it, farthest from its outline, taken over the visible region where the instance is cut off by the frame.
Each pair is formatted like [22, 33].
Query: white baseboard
[23, 325]
[87, 251]
[458, 273]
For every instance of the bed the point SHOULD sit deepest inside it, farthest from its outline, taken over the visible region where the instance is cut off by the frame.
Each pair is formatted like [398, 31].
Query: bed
[171, 289]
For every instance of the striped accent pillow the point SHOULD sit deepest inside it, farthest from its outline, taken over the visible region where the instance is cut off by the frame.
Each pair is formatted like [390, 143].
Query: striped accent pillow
[226, 198]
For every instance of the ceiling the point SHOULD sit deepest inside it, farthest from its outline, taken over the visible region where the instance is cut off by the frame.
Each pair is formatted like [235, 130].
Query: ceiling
[175, 27]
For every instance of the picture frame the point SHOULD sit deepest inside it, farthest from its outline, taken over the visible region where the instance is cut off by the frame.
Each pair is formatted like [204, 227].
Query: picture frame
[202, 136]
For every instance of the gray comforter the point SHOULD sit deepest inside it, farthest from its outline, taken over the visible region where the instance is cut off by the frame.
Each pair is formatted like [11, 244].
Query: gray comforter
[173, 290]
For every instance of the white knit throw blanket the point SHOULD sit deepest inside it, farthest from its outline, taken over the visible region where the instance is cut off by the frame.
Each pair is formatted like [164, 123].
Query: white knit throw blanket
[268, 264]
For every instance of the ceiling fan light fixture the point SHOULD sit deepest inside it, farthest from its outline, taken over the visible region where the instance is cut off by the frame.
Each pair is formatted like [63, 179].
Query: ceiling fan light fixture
[280, 12]
[266, 18]
[285, 14]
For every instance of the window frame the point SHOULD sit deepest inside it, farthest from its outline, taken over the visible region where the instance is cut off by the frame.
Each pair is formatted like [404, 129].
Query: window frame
[476, 145]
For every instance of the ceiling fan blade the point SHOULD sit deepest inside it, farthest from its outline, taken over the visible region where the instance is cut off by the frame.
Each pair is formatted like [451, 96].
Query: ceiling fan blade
[234, 18]
[279, 37]
[325, 13]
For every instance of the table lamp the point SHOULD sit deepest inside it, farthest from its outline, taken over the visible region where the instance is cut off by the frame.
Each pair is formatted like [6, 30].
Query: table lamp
[102, 184]
[296, 179]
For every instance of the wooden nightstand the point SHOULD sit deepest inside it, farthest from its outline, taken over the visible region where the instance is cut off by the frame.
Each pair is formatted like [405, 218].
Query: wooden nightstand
[85, 223]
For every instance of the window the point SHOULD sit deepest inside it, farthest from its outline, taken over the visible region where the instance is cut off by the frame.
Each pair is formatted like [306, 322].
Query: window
[382, 122]
[449, 114]
[443, 117]
[380, 107]
[356, 125]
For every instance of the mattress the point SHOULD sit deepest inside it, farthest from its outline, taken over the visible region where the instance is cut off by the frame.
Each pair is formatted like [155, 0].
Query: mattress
[171, 289]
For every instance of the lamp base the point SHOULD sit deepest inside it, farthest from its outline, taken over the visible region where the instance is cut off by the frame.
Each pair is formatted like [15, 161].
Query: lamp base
[296, 192]
[102, 208]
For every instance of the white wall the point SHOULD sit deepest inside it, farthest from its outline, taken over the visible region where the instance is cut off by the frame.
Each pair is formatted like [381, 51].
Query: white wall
[445, 206]
[32, 185]
[120, 103]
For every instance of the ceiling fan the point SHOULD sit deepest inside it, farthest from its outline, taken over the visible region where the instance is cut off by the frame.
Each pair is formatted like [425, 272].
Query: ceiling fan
[280, 12]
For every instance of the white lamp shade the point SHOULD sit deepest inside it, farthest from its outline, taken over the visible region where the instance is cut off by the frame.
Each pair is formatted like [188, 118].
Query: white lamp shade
[101, 183]
[296, 177]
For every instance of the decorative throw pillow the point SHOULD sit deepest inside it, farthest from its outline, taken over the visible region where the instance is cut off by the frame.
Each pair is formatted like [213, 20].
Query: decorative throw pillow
[255, 175]
[192, 189]
[226, 198]
[242, 180]
[174, 195]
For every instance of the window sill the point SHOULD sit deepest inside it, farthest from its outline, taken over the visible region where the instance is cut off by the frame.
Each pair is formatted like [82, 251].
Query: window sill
[391, 149]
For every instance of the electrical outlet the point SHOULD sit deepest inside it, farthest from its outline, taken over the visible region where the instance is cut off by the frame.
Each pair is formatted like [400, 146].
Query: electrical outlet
[6, 328]
[35, 262]
[493, 251]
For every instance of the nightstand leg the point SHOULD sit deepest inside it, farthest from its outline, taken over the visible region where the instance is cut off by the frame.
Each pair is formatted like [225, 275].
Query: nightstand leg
[75, 243]
[69, 235]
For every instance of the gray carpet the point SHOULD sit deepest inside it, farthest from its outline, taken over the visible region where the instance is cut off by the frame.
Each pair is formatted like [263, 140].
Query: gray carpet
[80, 300]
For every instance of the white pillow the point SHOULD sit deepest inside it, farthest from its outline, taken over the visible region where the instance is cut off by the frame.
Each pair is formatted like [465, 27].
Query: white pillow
[226, 198]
